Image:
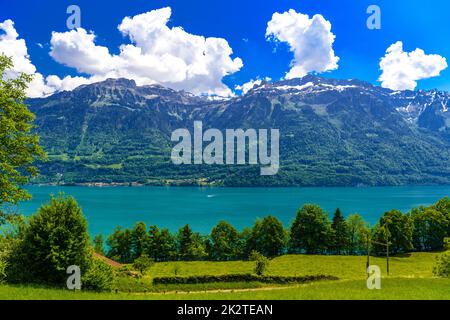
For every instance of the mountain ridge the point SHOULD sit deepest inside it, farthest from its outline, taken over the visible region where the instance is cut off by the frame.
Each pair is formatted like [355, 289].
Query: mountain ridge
[333, 133]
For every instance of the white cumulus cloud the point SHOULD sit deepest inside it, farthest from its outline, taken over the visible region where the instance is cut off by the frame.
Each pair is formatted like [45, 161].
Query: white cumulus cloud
[401, 70]
[16, 48]
[157, 54]
[310, 39]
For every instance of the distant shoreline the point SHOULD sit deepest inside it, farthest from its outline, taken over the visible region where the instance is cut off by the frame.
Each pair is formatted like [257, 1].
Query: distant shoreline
[141, 185]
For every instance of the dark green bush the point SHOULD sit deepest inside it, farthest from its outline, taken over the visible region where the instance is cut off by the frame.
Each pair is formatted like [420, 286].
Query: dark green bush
[240, 278]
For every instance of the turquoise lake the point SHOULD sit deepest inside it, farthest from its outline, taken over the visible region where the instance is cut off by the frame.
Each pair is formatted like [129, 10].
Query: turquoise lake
[202, 208]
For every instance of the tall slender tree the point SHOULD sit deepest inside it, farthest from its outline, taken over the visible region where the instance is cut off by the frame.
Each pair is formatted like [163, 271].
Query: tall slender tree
[99, 244]
[139, 240]
[168, 245]
[340, 233]
[358, 233]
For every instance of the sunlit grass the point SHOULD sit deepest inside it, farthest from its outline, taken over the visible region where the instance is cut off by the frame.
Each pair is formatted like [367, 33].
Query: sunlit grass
[410, 278]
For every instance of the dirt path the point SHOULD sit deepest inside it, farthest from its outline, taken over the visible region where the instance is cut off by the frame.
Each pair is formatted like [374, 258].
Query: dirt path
[230, 290]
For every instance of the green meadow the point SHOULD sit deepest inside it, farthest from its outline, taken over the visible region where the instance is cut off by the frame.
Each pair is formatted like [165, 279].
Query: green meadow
[410, 278]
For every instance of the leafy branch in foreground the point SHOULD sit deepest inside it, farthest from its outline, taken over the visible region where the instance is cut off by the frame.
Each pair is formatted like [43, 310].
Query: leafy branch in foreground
[19, 146]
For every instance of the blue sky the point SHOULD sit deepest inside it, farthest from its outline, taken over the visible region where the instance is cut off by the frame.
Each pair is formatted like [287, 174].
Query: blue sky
[418, 24]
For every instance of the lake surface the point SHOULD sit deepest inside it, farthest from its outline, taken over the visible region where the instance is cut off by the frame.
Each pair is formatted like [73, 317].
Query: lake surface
[202, 208]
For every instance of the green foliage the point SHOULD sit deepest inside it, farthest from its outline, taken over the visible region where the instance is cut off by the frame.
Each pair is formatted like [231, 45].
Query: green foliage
[99, 244]
[154, 245]
[139, 240]
[310, 231]
[397, 229]
[161, 244]
[99, 276]
[185, 241]
[143, 263]
[442, 265]
[261, 262]
[120, 245]
[19, 145]
[340, 233]
[167, 245]
[56, 237]
[430, 228]
[3, 266]
[443, 206]
[358, 233]
[447, 243]
[379, 239]
[224, 242]
[10, 231]
[268, 237]
[254, 255]
[191, 245]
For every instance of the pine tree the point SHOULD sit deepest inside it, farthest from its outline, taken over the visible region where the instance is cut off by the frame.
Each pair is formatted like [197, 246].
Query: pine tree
[340, 233]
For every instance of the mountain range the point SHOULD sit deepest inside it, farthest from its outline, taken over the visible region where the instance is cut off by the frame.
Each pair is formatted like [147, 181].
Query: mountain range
[332, 133]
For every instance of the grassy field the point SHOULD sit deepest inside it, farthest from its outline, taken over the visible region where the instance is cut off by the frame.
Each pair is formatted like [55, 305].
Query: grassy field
[344, 267]
[410, 278]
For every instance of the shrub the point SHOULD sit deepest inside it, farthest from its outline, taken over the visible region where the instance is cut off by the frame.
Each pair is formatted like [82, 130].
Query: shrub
[261, 262]
[143, 263]
[99, 276]
[4, 253]
[261, 265]
[442, 266]
[55, 238]
[254, 255]
[9, 241]
[176, 269]
[3, 265]
[447, 243]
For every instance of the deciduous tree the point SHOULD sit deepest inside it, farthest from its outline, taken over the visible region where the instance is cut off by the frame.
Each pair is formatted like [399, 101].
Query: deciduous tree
[19, 145]
[311, 230]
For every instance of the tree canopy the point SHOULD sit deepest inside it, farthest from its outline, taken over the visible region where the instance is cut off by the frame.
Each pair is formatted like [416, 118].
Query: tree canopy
[19, 145]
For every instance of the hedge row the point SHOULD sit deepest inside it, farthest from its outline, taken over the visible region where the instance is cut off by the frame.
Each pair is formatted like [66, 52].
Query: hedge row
[240, 278]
